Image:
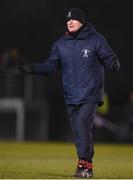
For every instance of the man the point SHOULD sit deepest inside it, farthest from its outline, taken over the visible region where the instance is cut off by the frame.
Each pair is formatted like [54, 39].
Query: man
[82, 55]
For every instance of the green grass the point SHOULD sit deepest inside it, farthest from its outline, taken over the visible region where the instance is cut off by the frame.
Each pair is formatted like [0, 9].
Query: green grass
[58, 160]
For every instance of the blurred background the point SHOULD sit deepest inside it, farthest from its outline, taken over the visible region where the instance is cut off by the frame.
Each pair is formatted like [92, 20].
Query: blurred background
[32, 107]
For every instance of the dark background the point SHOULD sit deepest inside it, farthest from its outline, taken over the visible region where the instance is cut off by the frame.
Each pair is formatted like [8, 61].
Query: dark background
[32, 26]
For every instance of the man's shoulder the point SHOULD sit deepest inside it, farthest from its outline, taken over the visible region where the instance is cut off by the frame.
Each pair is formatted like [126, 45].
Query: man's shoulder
[99, 36]
[96, 38]
[60, 40]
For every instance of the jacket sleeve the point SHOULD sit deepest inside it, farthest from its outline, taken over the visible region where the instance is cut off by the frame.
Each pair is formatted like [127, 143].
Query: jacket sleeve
[49, 66]
[106, 55]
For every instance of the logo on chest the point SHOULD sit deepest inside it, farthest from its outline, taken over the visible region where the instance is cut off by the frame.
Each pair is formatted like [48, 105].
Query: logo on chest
[86, 53]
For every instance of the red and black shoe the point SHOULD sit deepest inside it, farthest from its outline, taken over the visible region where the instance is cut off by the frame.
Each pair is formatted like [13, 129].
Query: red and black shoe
[84, 169]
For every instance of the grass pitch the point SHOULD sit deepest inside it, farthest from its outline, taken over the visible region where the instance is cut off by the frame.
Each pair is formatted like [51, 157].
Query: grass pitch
[58, 160]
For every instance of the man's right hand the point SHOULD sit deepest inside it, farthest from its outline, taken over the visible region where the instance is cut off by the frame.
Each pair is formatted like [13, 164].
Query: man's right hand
[24, 66]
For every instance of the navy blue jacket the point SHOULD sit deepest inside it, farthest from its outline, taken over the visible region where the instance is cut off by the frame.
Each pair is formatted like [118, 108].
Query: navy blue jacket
[82, 61]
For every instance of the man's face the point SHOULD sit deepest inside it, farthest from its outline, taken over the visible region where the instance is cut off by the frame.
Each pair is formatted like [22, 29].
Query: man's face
[73, 25]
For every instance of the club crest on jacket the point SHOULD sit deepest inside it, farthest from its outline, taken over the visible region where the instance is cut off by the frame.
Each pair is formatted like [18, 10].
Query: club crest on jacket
[85, 53]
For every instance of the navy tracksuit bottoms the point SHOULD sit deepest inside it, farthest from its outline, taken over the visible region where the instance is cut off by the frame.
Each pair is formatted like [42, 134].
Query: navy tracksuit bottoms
[82, 122]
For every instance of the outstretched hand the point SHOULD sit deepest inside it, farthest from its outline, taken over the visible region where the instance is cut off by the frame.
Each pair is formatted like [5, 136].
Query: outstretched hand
[24, 66]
